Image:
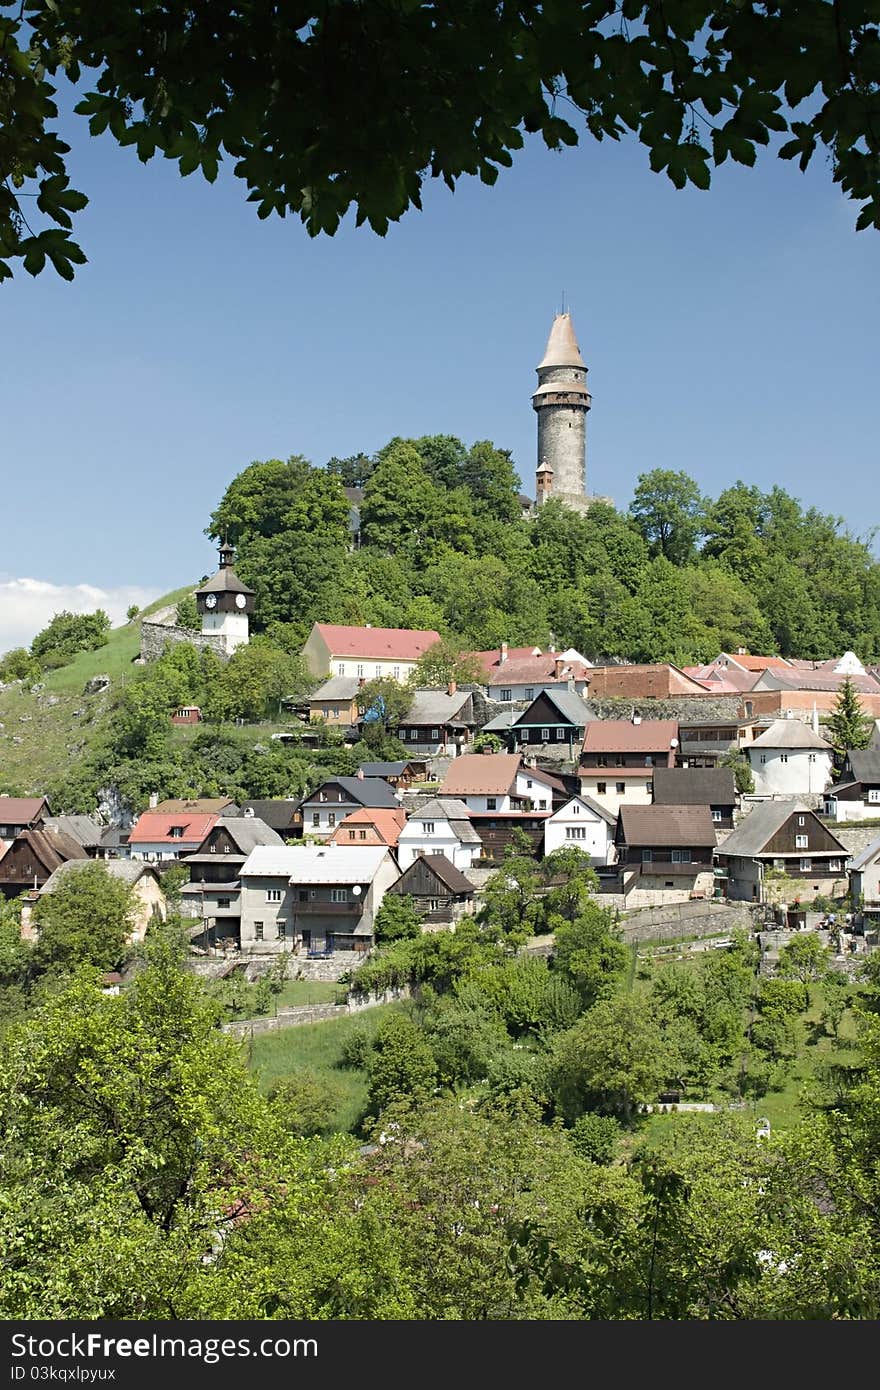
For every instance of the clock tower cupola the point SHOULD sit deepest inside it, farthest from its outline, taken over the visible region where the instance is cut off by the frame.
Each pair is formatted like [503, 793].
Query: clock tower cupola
[225, 604]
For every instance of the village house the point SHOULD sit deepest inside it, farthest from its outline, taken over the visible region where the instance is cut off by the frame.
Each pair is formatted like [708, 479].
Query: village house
[32, 857]
[856, 795]
[200, 805]
[704, 742]
[158, 835]
[399, 774]
[619, 756]
[864, 883]
[658, 681]
[371, 825]
[665, 854]
[18, 813]
[326, 807]
[519, 673]
[440, 892]
[213, 895]
[187, 714]
[438, 723]
[83, 829]
[335, 702]
[697, 786]
[551, 726]
[790, 759]
[148, 896]
[807, 689]
[503, 795]
[581, 824]
[279, 813]
[318, 899]
[440, 826]
[366, 652]
[783, 853]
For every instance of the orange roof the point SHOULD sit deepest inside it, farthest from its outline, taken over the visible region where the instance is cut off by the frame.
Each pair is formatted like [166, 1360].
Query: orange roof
[480, 774]
[762, 663]
[387, 824]
[376, 643]
[622, 736]
[152, 828]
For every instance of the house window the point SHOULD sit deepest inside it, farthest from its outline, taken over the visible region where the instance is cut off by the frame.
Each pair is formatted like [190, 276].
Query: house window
[649, 785]
[378, 671]
[812, 757]
[874, 794]
[322, 796]
[575, 832]
[177, 832]
[224, 903]
[647, 856]
[763, 757]
[716, 815]
[491, 803]
[360, 670]
[281, 930]
[801, 841]
[303, 895]
[505, 694]
[681, 856]
[834, 866]
[316, 818]
[258, 931]
[363, 834]
[545, 735]
[325, 713]
[620, 788]
[779, 863]
[602, 760]
[429, 827]
[396, 673]
[783, 757]
[435, 733]
[274, 895]
[560, 733]
[340, 669]
[600, 788]
[806, 866]
[576, 810]
[352, 834]
[213, 849]
[339, 895]
[530, 692]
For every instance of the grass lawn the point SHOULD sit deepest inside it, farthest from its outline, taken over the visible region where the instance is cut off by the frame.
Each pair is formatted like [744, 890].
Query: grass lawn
[310, 992]
[114, 658]
[316, 1048]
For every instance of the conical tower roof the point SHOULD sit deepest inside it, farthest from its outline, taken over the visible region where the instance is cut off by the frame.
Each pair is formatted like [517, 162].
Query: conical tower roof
[562, 348]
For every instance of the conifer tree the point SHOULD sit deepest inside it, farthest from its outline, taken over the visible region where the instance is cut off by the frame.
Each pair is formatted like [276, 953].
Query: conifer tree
[848, 725]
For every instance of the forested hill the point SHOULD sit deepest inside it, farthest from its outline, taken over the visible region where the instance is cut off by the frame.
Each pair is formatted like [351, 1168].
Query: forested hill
[679, 577]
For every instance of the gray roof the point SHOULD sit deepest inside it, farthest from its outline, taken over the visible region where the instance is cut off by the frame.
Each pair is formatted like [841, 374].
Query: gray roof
[275, 813]
[789, 733]
[384, 769]
[129, 870]
[760, 825]
[865, 764]
[573, 709]
[694, 786]
[336, 688]
[448, 808]
[315, 863]
[82, 828]
[867, 855]
[435, 707]
[501, 723]
[364, 791]
[225, 581]
[247, 832]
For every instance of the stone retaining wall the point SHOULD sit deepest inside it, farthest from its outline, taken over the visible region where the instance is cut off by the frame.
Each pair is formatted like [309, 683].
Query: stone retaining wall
[299, 1014]
[695, 919]
[155, 637]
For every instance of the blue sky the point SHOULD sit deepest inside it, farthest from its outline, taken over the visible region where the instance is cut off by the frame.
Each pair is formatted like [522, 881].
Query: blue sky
[731, 334]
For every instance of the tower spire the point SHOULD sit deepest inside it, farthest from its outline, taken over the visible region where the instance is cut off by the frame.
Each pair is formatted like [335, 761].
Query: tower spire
[561, 402]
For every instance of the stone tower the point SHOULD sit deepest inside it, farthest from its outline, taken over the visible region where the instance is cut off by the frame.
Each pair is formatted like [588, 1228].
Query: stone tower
[225, 604]
[561, 402]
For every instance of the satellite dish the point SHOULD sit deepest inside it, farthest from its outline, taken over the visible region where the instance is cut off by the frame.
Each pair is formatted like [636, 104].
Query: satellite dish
[356, 890]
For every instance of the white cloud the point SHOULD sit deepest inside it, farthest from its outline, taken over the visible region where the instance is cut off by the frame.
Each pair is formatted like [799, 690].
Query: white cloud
[27, 605]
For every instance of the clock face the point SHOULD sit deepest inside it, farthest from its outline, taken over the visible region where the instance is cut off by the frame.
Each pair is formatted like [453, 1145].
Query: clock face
[211, 601]
[240, 600]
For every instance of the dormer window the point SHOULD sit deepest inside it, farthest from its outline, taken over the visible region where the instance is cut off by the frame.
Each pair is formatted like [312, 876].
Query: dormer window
[177, 832]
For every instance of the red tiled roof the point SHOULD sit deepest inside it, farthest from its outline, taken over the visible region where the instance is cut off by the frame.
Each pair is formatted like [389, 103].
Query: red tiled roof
[535, 670]
[622, 736]
[376, 643]
[155, 828]
[479, 774]
[387, 823]
[761, 663]
[21, 810]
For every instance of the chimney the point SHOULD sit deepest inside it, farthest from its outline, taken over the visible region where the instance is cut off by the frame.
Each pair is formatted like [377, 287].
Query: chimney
[154, 800]
[503, 656]
[451, 688]
[360, 774]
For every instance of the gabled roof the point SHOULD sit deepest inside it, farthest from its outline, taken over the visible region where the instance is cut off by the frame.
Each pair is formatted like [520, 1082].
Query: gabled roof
[760, 825]
[155, 827]
[623, 736]
[50, 847]
[865, 764]
[394, 769]
[387, 823]
[276, 813]
[436, 707]
[449, 809]
[246, 832]
[564, 812]
[694, 786]
[867, 856]
[446, 872]
[128, 870]
[336, 688]
[667, 826]
[22, 810]
[479, 774]
[364, 791]
[537, 671]
[571, 707]
[789, 733]
[377, 643]
[83, 829]
[821, 679]
[315, 863]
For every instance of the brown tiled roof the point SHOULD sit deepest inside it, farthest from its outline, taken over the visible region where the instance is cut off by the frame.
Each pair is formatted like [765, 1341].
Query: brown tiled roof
[21, 810]
[479, 774]
[51, 848]
[622, 736]
[672, 826]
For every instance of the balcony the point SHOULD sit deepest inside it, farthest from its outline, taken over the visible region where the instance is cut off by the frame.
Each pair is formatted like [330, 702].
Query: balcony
[326, 908]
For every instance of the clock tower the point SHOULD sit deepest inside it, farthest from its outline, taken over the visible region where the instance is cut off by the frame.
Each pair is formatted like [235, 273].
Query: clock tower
[225, 604]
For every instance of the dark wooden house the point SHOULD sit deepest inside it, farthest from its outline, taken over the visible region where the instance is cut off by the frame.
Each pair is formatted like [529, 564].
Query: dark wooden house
[698, 786]
[18, 813]
[555, 721]
[213, 894]
[783, 852]
[665, 853]
[441, 892]
[32, 857]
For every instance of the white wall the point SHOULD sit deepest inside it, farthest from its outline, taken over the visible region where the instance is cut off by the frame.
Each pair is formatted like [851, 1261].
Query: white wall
[597, 842]
[413, 842]
[789, 771]
[636, 791]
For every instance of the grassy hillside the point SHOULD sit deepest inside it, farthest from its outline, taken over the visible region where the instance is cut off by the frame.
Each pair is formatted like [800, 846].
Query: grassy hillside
[41, 731]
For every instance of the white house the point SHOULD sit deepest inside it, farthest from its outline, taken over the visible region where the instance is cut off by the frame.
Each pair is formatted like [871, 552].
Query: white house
[333, 649]
[790, 759]
[440, 826]
[582, 824]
